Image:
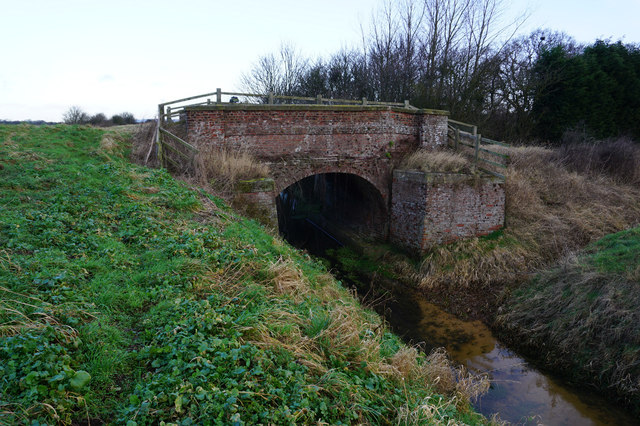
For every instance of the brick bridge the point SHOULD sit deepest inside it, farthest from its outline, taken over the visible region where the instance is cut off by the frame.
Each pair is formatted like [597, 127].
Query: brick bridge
[414, 209]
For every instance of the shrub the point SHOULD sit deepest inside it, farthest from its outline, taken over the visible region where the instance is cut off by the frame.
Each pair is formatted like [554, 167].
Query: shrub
[99, 119]
[124, 118]
[617, 158]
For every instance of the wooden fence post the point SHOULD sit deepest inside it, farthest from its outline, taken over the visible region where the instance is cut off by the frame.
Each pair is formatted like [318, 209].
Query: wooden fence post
[457, 139]
[364, 101]
[319, 99]
[219, 95]
[158, 136]
[270, 98]
[477, 149]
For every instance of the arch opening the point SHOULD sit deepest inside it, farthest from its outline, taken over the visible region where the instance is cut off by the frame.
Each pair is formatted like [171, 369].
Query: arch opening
[326, 210]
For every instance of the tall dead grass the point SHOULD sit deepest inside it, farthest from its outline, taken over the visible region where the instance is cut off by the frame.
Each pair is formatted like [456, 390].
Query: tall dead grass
[617, 158]
[222, 168]
[143, 144]
[551, 210]
[436, 161]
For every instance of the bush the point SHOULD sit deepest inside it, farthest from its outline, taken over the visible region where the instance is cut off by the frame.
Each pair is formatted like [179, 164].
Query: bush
[617, 158]
[124, 118]
[99, 120]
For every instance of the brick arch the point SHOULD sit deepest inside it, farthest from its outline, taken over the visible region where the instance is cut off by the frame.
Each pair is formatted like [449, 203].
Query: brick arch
[284, 177]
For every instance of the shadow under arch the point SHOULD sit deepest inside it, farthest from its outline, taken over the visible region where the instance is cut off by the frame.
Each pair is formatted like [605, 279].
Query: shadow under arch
[318, 211]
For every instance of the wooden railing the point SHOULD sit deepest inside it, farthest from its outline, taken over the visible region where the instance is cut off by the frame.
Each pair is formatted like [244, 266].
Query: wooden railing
[168, 110]
[465, 138]
[166, 140]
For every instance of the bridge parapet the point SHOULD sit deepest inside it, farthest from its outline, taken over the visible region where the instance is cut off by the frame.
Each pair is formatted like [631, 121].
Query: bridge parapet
[271, 131]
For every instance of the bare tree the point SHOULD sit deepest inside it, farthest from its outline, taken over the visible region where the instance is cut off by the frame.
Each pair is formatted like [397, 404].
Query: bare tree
[277, 73]
[75, 115]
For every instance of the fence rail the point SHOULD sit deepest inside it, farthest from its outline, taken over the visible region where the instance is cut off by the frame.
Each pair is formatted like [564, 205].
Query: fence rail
[463, 137]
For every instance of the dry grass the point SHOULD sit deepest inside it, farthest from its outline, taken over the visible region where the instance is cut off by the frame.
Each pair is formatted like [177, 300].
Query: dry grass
[221, 168]
[617, 158]
[588, 321]
[20, 312]
[550, 211]
[143, 143]
[437, 161]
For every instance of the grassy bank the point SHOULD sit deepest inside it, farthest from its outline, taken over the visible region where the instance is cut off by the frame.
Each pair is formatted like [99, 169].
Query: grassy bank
[127, 297]
[557, 202]
[583, 316]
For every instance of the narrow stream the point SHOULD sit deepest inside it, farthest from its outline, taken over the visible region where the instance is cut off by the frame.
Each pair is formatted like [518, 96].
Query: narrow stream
[519, 393]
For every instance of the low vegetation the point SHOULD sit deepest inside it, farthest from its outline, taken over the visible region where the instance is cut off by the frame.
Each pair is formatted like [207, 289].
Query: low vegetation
[128, 297]
[220, 169]
[437, 161]
[586, 312]
[551, 210]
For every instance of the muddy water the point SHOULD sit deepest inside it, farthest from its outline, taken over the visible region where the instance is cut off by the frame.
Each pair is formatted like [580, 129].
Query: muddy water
[519, 392]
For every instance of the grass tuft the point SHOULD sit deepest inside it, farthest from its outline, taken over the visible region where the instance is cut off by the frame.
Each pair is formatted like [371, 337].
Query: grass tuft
[437, 161]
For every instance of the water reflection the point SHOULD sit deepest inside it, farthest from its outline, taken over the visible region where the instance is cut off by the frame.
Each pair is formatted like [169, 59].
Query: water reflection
[519, 392]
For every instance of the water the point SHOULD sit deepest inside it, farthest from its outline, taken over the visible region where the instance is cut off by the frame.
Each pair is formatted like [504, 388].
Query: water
[520, 393]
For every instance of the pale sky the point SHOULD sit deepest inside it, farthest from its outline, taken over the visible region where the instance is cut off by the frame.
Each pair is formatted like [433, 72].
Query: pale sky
[112, 56]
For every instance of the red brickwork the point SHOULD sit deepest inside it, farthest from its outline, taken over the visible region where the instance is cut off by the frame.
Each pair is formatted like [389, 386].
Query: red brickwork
[298, 141]
[303, 140]
[428, 209]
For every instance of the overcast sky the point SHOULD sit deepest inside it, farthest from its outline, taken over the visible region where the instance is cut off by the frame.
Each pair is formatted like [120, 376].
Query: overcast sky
[113, 56]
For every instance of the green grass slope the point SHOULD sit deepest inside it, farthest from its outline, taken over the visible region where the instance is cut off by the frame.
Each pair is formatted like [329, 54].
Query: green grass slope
[128, 298]
[583, 317]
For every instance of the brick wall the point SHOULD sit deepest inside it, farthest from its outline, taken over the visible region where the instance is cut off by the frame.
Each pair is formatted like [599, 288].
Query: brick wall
[428, 209]
[302, 140]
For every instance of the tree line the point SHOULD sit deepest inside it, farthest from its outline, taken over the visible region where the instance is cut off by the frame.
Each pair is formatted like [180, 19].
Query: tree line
[75, 115]
[461, 56]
